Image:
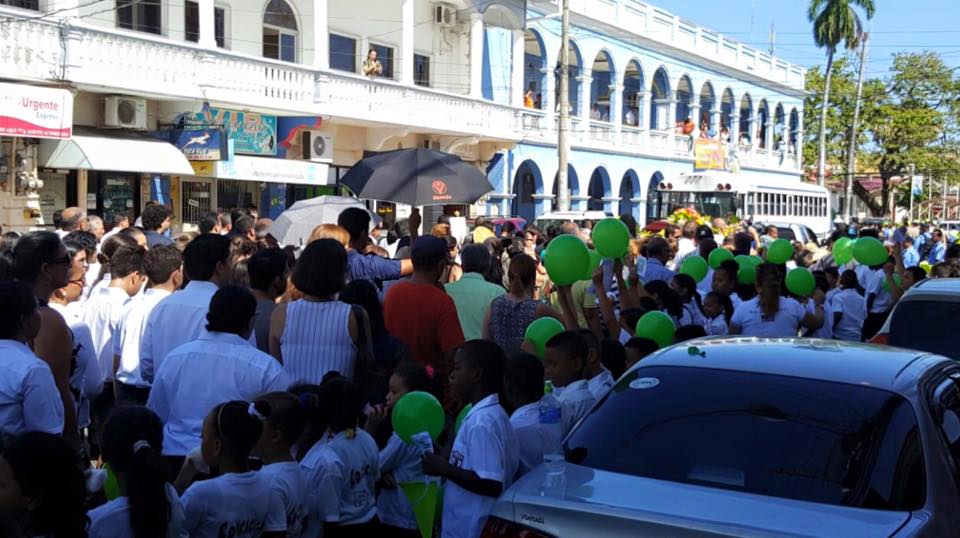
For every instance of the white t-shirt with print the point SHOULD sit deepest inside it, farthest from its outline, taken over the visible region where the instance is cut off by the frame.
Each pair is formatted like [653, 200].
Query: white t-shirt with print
[716, 326]
[785, 323]
[403, 461]
[487, 446]
[112, 520]
[341, 474]
[234, 504]
[289, 490]
[853, 312]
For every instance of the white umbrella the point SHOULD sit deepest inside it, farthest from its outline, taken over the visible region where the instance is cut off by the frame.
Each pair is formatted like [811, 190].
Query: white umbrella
[294, 226]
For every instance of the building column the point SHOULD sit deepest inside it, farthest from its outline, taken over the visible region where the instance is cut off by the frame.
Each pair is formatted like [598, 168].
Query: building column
[476, 55]
[585, 94]
[548, 99]
[735, 128]
[207, 27]
[616, 107]
[695, 116]
[321, 37]
[671, 113]
[517, 69]
[715, 120]
[406, 42]
[768, 139]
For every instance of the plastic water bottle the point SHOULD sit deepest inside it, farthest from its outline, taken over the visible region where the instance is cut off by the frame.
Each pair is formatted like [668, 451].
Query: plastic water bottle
[551, 435]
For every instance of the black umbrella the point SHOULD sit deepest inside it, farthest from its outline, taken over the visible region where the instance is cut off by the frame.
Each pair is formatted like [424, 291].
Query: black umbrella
[416, 177]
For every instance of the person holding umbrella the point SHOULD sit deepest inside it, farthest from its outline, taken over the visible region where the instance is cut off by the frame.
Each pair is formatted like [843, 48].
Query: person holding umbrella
[374, 268]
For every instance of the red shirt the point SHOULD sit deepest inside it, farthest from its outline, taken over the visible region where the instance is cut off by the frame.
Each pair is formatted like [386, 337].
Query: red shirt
[425, 319]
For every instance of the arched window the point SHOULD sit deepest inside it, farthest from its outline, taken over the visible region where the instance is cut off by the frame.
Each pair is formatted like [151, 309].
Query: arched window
[279, 32]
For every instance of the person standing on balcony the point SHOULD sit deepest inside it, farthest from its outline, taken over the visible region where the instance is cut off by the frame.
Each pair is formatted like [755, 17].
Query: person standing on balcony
[371, 66]
[528, 99]
[630, 118]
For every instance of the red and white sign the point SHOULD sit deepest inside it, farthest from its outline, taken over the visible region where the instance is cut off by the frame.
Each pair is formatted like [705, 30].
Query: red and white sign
[35, 112]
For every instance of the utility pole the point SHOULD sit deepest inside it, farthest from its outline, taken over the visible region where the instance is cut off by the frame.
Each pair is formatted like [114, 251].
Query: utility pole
[910, 215]
[563, 140]
[852, 149]
[773, 40]
[943, 203]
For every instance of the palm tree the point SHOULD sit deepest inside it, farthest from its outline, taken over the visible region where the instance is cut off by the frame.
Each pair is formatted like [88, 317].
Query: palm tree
[834, 22]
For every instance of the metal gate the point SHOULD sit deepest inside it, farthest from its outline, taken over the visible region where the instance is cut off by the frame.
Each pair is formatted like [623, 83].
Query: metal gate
[195, 201]
[233, 194]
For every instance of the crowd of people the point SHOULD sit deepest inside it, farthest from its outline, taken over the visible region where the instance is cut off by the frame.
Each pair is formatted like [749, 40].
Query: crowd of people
[219, 384]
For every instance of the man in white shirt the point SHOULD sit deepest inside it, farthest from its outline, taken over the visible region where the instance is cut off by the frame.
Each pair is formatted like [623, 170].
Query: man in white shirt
[879, 303]
[164, 268]
[484, 458]
[219, 366]
[29, 398]
[523, 388]
[599, 379]
[102, 312]
[686, 243]
[179, 318]
[564, 364]
[72, 219]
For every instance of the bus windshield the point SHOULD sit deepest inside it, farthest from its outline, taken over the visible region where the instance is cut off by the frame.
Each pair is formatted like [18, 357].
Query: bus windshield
[715, 204]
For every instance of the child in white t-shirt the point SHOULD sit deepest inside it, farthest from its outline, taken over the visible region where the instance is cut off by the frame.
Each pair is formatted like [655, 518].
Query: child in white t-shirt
[238, 502]
[281, 431]
[717, 311]
[484, 459]
[342, 467]
[523, 388]
[147, 505]
[849, 309]
[563, 365]
[399, 461]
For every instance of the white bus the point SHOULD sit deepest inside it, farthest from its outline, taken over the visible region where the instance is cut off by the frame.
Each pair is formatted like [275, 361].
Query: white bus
[766, 200]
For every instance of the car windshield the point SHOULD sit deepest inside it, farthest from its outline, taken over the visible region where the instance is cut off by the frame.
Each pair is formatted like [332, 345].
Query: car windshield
[719, 204]
[803, 439]
[927, 326]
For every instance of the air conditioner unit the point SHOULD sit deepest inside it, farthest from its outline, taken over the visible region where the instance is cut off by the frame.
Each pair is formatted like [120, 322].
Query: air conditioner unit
[317, 146]
[121, 112]
[444, 15]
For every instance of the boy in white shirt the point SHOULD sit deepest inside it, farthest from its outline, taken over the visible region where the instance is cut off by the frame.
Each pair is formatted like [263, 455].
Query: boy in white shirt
[563, 365]
[484, 458]
[850, 309]
[523, 388]
[599, 379]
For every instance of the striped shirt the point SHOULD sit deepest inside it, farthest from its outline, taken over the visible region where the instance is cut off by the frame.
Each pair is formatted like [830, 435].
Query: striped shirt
[316, 340]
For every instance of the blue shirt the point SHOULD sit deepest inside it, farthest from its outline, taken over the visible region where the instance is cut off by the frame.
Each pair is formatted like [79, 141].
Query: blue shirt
[911, 258]
[936, 253]
[373, 268]
[655, 270]
[155, 239]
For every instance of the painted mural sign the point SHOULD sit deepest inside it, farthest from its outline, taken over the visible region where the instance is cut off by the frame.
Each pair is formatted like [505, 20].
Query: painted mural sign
[252, 133]
[709, 155]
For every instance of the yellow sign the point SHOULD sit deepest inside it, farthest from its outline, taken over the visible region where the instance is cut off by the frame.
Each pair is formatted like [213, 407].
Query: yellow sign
[709, 155]
[204, 168]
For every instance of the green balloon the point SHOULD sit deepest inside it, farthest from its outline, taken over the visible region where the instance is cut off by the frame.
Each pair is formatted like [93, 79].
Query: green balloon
[843, 250]
[718, 256]
[541, 331]
[611, 238]
[800, 282]
[568, 259]
[747, 274]
[595, 261]
[870, 251]
[896, 278]
[417, 412]
[111, 488]
[779, 251]
[461, 417]
[744, 261]
[657, 326]
[694, 266]
[757, 260]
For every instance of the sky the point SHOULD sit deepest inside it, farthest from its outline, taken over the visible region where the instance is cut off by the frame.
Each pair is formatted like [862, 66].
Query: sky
[898, 25]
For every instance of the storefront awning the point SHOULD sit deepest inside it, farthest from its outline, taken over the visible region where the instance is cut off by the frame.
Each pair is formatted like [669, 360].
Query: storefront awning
[114, 154]
[266, 169]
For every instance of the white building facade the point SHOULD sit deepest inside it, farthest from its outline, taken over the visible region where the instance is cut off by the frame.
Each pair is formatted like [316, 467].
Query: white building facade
[267, 77]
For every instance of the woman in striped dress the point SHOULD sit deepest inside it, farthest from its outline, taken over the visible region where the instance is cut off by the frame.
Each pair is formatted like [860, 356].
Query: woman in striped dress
[319, 334]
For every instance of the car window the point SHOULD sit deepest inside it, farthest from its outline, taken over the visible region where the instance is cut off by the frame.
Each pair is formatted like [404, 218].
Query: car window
[948, 418]
[786, 233]
[801, 439]
[812, 237]
[926, 326]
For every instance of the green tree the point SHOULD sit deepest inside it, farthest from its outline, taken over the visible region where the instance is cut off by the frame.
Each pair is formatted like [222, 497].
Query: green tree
[834, 22]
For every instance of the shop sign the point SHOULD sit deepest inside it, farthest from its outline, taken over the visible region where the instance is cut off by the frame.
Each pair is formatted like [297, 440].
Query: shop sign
[201, 144]
[273, 171]
[252, 133]
[204, 168]
[709, 155]
[35, 112]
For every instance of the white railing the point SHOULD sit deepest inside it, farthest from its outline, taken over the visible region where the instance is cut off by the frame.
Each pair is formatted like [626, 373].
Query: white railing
[683, 145]
[660, 140]
[631, 136]
[601, 130]
[532, 120]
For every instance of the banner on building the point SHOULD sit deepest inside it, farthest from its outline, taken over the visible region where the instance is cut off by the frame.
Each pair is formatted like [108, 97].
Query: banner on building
[201, 144]
[252, 133]
[709, 155]
[35, 112]
[916, 185]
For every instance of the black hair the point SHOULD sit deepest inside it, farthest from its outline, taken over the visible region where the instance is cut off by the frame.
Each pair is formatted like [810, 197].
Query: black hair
[154, 215]
[19, 301]
[342, 402]
[265, 267]
[87, 239]
[363, 293]
[508, 227]
[613, 356]
[643, 345]
[161, 262]
[630, 317]
[848, 279]
[208, 222]
[687, 282]
[231, 309]
[131, 442]
[238, 213]
[475, 259]
[490, 359]
[631, 224]
[317, 422]
[126, 260]
[203, 254]
[689, 332]
[244, 225]
[656, 247]
[355, 221]
[572, 344]
[731, 269]
[109, 248]
[9, 240]
[287, 415]
[523, 373]
[725, 303]
[46, 467]
[668, 298]
[134, 233]
[238, 426]
[75, 247]
[917, 272]
[953, 251]
[33, 249]
[590, 339]
[321, 270]
[832, 271]
[415, 377]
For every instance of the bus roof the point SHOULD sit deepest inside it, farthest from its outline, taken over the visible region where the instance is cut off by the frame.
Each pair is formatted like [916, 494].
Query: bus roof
[708, 180]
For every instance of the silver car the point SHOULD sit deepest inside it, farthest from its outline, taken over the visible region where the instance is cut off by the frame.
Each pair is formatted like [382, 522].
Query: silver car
[758, 437]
